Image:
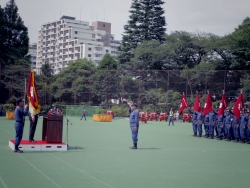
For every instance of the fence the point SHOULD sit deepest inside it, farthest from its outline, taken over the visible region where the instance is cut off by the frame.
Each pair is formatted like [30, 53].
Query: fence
[151, 90]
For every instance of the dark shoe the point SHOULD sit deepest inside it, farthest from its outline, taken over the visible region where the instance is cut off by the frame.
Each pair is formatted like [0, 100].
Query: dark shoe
[219, 138]
[228, 140]
[134, 146]
[200, 135]
[242, 141]
[236, 140]
[211, 137]
[194, 135]
[204, 136]
[248, 142]
[18, 151]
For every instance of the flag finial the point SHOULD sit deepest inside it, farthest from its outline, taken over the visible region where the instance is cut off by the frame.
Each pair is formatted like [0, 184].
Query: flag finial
[207, 91]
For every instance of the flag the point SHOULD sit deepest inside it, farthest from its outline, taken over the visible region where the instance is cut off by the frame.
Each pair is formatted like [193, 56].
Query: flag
[197, 104]
[183, 104]
[34, 105]
[208, 107]
[239, 104]
[223, 105]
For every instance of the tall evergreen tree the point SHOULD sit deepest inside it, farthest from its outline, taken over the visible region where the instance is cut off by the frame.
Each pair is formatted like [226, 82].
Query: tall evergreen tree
[145, 23]
[17, 43]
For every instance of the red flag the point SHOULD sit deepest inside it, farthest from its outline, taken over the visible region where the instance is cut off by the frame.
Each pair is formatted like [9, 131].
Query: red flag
[197, 104]
[239, 104]
[208, 105]
[32, 95]
[223, 105]
[184, 104]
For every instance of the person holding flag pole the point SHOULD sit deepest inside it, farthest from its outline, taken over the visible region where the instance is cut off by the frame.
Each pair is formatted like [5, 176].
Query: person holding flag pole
[221, 116]
[34, 105]
[197, 107]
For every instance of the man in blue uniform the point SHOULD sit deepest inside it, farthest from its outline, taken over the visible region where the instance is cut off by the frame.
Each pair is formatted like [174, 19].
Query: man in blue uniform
[19, 124]
[33, 122]
[248, 128]
[243, 123]
[192, 112]
[220, 126]
[235, 127]
[83, 114]
[206, 126]
[228, 125]
[212, 118]
[134, 125]
[199, 119]
[171, 117]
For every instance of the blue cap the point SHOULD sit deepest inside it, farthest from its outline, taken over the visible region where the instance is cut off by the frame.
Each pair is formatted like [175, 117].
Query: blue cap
[134, 104]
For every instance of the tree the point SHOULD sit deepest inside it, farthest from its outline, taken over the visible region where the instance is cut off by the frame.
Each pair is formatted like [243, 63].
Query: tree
[108, 63]
[145, 23]
[17, 42]
[46, 70]
[74, 82]
[241, 46]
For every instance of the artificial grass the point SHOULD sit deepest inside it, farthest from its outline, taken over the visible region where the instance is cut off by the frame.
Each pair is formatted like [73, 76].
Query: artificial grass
[167, 156]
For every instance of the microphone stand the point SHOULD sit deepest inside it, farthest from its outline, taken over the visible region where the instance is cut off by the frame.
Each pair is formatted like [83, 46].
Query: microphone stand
[67, 133]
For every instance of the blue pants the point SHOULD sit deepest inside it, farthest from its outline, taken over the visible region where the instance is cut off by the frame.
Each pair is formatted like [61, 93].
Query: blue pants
[229, 132]
[32, 127]
[194, 127]
[19, 133]
[206, 128]
[199, 126]
[211, 128]
[248, 132]
[134, 133]
[171, 119]
[236, 131]
[220, 129]
[83, 116]
[242, 131]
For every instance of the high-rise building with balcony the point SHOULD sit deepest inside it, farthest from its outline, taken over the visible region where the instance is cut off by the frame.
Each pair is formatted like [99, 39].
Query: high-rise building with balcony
[32, 53]
[67, 39]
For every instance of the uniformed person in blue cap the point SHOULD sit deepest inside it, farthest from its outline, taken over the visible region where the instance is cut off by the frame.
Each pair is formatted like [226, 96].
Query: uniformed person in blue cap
[134, 125]
[199, 120]
[228, 125]
[243, 123]
[194, 124]
[19, 124]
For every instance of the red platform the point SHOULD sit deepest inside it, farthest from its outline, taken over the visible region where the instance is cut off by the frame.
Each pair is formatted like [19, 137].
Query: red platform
[39, 145]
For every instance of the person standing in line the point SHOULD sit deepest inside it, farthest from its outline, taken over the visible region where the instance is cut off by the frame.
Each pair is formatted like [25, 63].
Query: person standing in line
[19, 124]
[228, 125]
[248, 127]
[171, 117]
[243, 125]
[192, 112]
[206, 125]
[83, 114]
[134, 125]
[199, 119]
[33, 122]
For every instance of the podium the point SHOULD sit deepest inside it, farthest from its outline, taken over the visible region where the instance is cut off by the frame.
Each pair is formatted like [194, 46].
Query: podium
[52, 128]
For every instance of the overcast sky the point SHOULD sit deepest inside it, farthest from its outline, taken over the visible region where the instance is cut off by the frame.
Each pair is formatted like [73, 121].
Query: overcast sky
[219, 17]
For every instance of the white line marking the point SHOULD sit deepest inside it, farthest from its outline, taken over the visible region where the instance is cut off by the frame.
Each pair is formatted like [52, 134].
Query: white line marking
[4, 185]
[83, 172]
[40, 171]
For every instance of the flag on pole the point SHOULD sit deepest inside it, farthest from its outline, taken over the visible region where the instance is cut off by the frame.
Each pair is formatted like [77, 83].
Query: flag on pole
[223, 105]
[208, 107]
[239, 104]
[34, 105]
[197, 104]
[184, 103]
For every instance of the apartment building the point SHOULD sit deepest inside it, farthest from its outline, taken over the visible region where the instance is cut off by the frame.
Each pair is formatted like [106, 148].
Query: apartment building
[68, 39]
[32, 53]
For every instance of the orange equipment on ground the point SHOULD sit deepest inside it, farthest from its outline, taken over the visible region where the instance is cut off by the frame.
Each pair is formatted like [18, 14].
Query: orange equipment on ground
[153, 116]
[163, 116]
[187, 118]
[143, 117]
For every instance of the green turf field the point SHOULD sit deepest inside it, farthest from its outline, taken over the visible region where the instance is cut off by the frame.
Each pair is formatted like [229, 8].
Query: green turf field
[168, 156]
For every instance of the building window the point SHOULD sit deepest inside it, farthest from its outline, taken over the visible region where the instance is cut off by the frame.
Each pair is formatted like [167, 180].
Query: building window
[75, 37]
[76, 32]
[89, 49]
[89, 55]
[103, 25]
[107, 51]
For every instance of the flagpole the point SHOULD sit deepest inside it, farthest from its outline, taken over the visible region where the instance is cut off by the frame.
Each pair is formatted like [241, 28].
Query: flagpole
[25, 90]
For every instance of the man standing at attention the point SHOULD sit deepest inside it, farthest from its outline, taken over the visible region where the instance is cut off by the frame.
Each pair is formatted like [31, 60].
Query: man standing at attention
[83, 114]
[134, 124]
[171, 117]
[19, 124]
[33, 122]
